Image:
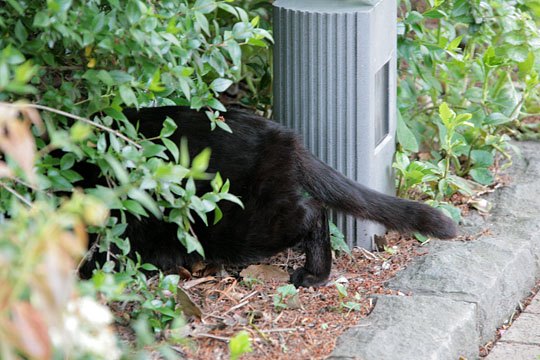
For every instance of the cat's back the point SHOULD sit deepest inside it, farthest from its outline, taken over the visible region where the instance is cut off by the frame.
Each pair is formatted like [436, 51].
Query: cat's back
[238, 155]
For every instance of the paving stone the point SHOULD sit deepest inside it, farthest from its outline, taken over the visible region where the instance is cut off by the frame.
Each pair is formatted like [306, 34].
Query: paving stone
[526, 329]
[412, 327]
[482, 272]
[514, 351]
[534, 306]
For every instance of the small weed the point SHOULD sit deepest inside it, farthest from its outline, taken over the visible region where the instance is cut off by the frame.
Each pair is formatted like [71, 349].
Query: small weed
[286, 297]
[239, 345]
[343, 294]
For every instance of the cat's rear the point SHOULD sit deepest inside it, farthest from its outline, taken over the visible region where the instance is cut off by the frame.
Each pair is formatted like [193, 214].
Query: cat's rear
[340, 193]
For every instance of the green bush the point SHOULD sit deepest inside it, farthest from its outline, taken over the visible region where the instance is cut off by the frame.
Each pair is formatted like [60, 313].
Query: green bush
[468, 73]
[72, 60]
[478, 58]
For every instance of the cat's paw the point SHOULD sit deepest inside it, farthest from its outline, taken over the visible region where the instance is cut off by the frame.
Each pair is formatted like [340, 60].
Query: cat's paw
[302, 277]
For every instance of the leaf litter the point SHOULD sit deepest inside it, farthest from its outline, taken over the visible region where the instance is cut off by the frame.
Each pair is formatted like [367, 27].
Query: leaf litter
[220, 306]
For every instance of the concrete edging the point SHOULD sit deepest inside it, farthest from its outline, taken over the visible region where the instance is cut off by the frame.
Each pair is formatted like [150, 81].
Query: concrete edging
[460, 291]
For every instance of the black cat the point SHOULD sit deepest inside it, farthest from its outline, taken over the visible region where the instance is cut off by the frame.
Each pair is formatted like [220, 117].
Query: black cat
[286, 192]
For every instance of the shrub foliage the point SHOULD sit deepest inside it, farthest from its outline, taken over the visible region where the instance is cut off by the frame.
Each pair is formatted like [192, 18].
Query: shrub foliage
[468, 75]
[72, 60]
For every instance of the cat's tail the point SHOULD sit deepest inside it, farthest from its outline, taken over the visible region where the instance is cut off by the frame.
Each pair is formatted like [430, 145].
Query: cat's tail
[338, 192]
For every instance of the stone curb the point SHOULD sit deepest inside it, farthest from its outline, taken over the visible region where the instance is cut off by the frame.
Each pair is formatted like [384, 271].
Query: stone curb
[460, 292]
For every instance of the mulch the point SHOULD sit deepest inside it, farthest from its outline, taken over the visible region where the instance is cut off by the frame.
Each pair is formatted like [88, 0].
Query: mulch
[311, 324]
[308, 328]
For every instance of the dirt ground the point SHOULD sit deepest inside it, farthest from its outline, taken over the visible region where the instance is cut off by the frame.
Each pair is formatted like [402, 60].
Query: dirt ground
[310, 323]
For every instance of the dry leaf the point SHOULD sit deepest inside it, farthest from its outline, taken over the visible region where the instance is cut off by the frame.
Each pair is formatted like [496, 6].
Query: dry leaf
[188, 307]
[265, 273]
[17, 141]
[55, 278]
[184, 273]
[5, 171]
[198, 268]
[5, 292]
[191, 283]
[33, 337]
[32, 115]
[481, 205]
[294, 302]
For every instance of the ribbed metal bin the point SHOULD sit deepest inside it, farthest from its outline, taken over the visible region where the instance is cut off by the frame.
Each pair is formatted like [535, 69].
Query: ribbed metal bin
[334, 83]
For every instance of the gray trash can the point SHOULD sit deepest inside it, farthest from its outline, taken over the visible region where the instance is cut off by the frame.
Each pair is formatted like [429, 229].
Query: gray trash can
[334, 83]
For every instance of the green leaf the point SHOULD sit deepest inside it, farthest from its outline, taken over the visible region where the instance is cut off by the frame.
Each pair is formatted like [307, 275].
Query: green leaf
[145, 200]
[235, 52]
[120, 77]
[119, 171]
[451, 211]
[184, 153]
[518, 54]
[4, 74]
[337, 239]
[150, 149]
[526, 66]
[114, 113]
[414, 17]
[205, 6]
[218, 215]
[67, 161]
[169, 127]
[134, 207]
[203, 22]
[228, 8]
[71, 176]
[192, 244]
[149, 267]
[220, 84]
[201, 161]
[454, 43]
[105, 77]
[41, 19]
[133, 11]
[232, 198]
[446, 113]
[482, 158]
[127, 95]
[496, 119]
[405, 136]
[482, 176]
[223, 126]
[12, 56]
[15, 4]
[24, 72]
[217, 182]
[421, 238]
[242, 30]
[216, 104]
[171, 146]
[239, 345]
[80, 131]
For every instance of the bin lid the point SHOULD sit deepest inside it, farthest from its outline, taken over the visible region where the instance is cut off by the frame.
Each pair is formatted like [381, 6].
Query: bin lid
[332, 6]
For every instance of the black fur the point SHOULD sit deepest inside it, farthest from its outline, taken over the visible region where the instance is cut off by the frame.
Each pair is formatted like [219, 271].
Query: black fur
[271, 172]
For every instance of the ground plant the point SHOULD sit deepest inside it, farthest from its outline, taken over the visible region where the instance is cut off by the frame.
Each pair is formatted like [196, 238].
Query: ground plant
[468, 82]
[468, 76]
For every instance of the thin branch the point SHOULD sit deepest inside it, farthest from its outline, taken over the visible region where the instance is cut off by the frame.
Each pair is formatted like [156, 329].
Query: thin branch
[17, 195]
[278, 330]
[237, 306]
[30, 186]
[79, 118]
[226, 339]
[89, 254]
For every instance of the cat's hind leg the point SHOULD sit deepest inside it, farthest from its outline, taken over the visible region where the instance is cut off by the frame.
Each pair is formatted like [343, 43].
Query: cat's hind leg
[318, 251]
